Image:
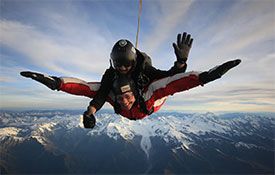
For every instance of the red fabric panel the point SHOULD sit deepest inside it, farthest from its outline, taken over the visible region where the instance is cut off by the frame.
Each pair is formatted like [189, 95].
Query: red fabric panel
[77, 89]
[179, 85]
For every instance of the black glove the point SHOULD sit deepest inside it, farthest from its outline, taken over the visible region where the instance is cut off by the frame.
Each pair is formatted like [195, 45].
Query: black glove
[49, 81]
[88, 120]
[183, 46]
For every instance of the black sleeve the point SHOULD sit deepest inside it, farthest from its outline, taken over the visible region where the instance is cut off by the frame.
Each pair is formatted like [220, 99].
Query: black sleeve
[105, 87]
[155, 74]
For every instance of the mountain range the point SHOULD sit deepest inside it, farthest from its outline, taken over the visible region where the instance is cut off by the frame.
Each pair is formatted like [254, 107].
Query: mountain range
[163, 143]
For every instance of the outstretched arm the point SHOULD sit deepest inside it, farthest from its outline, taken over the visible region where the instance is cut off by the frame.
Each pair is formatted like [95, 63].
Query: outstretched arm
[184, 81]
[173, 84]
[73, 86]
[77, 86]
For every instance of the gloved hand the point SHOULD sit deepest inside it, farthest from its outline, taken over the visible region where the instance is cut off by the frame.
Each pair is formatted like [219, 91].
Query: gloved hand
[51, 82]
[88, 120]
[183, 46]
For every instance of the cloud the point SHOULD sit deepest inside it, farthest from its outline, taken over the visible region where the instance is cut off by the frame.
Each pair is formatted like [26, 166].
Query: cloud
[169, 16]
[45, 51]
[216, 97]
[239, 28]
[73, 40]
[7, 79]
[39, 96]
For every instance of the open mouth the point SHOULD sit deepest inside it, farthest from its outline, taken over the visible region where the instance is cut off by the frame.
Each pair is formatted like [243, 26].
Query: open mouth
[123, 71]
[127, 106]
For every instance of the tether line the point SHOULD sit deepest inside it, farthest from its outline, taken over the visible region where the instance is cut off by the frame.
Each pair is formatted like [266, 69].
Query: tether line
[139, 13]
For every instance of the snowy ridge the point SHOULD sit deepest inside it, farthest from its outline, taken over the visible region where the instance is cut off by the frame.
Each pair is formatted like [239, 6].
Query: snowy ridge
[218, 142]
[168, 128]
[9, 131]
[173, 128]
[41, 130]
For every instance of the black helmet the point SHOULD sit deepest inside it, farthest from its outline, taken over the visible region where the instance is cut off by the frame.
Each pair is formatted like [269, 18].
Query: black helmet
[123, 84]
[123, 54]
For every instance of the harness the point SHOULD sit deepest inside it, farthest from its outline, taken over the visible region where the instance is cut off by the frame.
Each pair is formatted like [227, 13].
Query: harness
[141, 80]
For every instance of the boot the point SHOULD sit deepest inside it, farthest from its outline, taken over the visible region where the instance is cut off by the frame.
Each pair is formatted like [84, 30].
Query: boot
[218, 71]
[50, 81]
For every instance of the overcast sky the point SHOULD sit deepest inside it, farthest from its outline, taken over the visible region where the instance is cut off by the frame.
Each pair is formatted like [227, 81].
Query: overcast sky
[74, 39]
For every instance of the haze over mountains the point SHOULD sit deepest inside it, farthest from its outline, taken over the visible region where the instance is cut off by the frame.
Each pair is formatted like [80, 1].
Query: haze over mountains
[56, 142]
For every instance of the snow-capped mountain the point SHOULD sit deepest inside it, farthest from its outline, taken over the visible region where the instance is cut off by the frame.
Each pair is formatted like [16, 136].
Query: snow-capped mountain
[56, 142]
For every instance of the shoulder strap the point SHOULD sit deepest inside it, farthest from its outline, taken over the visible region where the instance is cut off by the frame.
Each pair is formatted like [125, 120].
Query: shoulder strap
[143, 107]
[147, 60]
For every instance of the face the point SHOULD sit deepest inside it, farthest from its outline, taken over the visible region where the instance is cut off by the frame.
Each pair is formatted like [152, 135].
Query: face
[124, 69]
[126, 100]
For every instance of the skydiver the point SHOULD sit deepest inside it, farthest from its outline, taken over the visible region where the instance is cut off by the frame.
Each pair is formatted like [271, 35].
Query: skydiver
[123, 96]
[126, 59]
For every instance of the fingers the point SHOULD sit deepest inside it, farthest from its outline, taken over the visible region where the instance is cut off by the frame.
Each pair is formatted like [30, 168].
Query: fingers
[187, 39]
[24, 73]
[27, 74]
[184, 39]
[88, 120]
[176, 49]
[179, 39]
[175, 46]
[190, 43]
